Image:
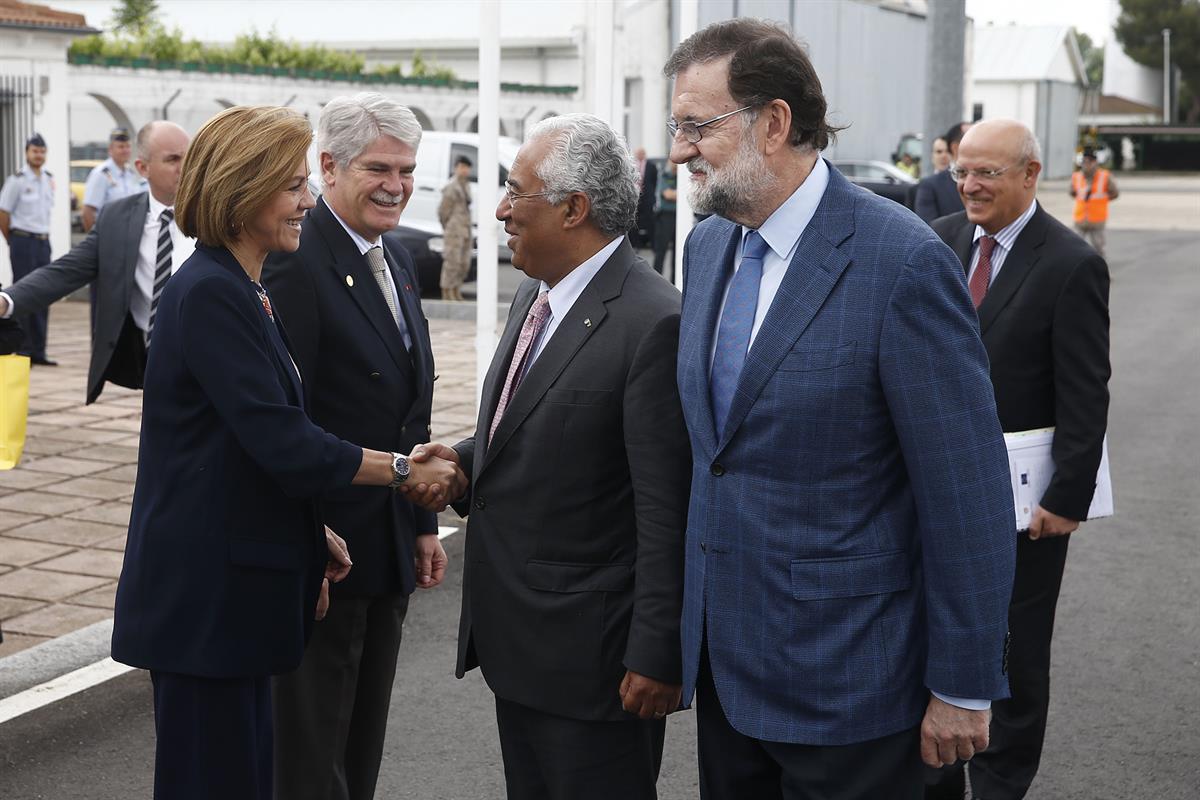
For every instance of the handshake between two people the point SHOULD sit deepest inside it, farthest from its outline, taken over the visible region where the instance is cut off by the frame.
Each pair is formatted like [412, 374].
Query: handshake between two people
[435, 478]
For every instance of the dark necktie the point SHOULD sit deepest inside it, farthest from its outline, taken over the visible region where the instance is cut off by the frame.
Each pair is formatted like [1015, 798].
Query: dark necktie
[737, 321]
[981, 278]
[162, 266]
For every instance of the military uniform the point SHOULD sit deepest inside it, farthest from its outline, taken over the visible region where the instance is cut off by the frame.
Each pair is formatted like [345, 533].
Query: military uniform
[108, 182]
[28, 198]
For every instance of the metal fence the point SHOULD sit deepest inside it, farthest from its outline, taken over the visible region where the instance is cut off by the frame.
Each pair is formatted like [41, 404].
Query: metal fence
[16, 121]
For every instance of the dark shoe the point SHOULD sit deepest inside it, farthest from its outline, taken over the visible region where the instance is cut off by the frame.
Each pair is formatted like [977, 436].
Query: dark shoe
[44, 362]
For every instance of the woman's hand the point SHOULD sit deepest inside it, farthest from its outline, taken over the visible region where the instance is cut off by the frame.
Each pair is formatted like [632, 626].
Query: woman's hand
[336, 568]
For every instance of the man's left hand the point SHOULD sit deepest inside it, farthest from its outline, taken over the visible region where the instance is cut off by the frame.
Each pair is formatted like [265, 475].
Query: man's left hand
[1045, 524]
[950, 733]
[648, 698]
[430, 560]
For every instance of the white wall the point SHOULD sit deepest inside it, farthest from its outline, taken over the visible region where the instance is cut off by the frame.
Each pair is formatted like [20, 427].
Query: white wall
[43, 54]
[642, 33]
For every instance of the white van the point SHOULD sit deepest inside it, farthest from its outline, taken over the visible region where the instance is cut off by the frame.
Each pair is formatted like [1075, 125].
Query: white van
[435, 166]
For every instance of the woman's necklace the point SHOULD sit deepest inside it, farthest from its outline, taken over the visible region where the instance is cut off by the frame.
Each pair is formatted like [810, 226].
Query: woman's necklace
[262, 297]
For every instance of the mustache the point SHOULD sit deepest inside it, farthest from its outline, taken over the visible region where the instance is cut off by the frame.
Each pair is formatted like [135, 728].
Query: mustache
[387, 197]
[699, 165]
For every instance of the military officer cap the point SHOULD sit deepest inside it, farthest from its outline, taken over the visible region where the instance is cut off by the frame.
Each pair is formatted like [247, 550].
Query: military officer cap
[119, 135]
[35, 141]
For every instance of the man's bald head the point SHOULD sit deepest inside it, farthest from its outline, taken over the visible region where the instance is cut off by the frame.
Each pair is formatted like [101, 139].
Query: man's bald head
[1002, 160]
[161, 146]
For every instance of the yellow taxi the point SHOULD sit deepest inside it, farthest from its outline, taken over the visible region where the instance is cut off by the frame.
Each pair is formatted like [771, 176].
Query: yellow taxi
[80, 169]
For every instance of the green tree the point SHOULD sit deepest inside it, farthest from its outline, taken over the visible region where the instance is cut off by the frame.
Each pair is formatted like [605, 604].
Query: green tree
[1093, 58]
[136, 17]
[1139, 30]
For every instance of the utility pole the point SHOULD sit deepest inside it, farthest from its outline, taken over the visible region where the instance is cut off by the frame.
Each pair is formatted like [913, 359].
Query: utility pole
[945, 43]
[1166, 34]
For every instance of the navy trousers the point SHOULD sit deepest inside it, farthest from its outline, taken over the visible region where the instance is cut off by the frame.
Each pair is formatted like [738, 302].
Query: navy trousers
[27, 255]
[214, 737]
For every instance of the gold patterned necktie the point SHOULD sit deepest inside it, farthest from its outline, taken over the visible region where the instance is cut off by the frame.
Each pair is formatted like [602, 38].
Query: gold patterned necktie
[380, 270]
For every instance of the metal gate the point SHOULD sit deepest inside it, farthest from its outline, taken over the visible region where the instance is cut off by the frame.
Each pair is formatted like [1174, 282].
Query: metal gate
[16, 121]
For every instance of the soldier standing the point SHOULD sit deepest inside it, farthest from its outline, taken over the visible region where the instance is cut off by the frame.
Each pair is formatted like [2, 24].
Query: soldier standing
[454, 213]
[25, 204]
[112, 179]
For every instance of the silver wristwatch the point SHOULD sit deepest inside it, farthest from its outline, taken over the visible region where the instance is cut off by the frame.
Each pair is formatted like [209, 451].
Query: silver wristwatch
[400, 469]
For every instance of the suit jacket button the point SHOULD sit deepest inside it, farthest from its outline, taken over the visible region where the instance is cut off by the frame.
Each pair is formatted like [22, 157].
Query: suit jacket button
[703, 547]
[429, 430]
[403, 429]
[717, 470]
[480, 504]
[374, 376]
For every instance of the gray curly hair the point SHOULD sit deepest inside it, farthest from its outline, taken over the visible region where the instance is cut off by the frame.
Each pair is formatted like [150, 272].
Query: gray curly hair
[588, 156]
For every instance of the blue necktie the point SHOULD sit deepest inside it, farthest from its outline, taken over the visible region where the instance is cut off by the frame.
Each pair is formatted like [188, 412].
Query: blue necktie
[737, 320]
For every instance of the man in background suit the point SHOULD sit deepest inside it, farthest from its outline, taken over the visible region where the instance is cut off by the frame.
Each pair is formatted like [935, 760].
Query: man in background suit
[351, 306]
[1042, 298]
[643, 228]
[579, 464]
[849, 544]
[937, 194]
[128, 255]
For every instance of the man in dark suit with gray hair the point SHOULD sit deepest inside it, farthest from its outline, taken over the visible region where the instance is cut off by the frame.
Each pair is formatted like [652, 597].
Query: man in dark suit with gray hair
[573, 572]
[130, 253]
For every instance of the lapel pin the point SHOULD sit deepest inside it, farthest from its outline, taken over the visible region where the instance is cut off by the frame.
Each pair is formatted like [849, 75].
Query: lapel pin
[587, 323]
[350, 281]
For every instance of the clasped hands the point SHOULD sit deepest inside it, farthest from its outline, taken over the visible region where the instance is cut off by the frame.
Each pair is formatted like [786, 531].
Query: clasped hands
[435, 479]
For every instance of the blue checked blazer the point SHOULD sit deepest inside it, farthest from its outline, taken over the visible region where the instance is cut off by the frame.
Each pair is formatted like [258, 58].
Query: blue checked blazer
[850, 540]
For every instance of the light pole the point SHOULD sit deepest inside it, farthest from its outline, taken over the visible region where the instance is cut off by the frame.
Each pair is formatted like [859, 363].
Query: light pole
[1166, 34]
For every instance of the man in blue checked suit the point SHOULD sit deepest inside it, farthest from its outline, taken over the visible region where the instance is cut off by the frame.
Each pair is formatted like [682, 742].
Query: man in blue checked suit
[850, 543]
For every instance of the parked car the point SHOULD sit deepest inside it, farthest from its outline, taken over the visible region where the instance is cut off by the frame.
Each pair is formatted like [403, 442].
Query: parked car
[425, 247]
[80, 169]
[881, 178]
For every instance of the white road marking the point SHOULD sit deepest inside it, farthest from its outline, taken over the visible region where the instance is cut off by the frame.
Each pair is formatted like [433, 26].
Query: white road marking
[52, 691]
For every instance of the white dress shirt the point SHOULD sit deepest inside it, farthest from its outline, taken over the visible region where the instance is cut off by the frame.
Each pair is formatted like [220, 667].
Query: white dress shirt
[1005, 239]
[182, 248]
[363, 246]
[566, 292]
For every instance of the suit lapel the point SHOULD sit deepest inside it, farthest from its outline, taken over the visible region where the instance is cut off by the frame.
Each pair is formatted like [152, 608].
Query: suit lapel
[697, 353]
[811, 275]
[355, 279]
[964, 241]
[1016, 268]
[135, 224]
[493, 382]
[422, 348]
[580, 324]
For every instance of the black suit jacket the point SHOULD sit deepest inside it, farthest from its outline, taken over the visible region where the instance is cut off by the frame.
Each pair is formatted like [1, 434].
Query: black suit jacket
[937, 196]
[360, 384]
[574, 552]
[225, 551]
[108, 256]
[1045, 326]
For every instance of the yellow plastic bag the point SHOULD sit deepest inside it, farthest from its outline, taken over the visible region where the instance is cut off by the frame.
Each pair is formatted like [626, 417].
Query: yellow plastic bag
[14, 408]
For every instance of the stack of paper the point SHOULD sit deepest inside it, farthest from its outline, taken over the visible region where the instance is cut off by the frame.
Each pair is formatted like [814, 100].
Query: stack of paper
[1031, 467]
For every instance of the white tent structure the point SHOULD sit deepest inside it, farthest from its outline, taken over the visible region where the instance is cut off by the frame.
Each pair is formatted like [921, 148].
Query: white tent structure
[1035, 75]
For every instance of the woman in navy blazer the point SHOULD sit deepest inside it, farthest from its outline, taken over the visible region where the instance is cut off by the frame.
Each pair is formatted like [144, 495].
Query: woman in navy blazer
[226, 553]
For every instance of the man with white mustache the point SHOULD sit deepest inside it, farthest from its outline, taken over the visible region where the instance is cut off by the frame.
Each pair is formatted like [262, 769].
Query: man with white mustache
[352, 309]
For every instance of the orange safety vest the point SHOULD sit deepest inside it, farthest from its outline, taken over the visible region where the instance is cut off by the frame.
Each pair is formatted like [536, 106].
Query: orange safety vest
[1091, 207]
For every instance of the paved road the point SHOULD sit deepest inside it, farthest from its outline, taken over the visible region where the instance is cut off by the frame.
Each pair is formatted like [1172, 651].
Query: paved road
[1127, 658]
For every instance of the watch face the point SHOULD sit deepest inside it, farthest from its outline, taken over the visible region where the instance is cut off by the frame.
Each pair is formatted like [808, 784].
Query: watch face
[400, 467]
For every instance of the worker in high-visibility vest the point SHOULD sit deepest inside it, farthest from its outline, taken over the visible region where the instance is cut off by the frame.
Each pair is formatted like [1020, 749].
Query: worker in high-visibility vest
[1092, 188]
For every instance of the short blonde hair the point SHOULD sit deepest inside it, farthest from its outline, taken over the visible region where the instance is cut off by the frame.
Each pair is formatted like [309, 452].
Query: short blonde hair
[237, 163]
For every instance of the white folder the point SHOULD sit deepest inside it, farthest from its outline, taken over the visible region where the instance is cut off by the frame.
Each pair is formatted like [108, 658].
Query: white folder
[1032, 467]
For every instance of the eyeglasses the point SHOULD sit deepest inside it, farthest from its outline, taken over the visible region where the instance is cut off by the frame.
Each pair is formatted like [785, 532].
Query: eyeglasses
[691, 130]
[514, 196]
[960, 174]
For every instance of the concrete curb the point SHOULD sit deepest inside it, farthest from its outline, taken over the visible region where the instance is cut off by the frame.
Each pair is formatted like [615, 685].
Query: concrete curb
[55, 658]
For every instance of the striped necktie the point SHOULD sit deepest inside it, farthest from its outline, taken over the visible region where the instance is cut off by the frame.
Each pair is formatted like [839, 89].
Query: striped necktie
[162, 266]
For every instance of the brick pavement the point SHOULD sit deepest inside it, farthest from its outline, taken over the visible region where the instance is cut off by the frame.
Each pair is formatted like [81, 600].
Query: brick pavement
[64, 509]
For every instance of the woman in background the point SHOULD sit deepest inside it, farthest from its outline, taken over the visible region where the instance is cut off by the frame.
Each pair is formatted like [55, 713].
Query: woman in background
[227, 558]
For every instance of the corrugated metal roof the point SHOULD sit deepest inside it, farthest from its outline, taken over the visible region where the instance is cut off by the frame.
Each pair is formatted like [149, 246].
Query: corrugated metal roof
[15, 14]
[1021, 53]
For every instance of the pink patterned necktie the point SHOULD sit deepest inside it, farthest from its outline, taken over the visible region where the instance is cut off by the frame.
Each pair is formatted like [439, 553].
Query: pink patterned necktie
[981, 278]
[539, 312]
